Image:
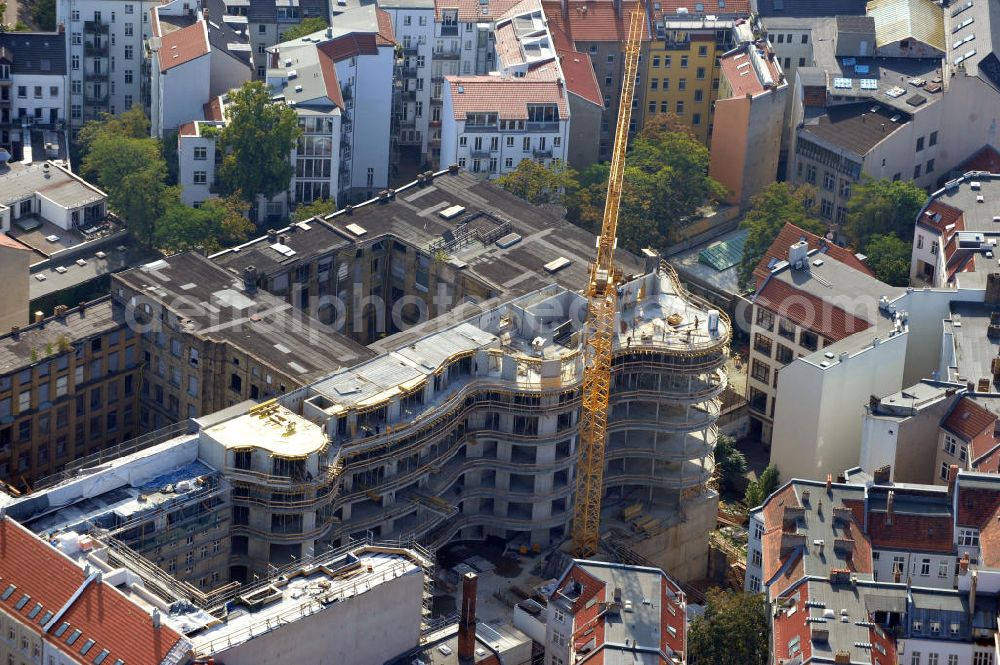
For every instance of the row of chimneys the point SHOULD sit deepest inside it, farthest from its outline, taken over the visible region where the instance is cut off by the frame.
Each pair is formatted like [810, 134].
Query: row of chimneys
[39, 317]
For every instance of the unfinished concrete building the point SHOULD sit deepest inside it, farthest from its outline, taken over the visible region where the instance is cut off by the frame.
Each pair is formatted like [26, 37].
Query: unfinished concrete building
[463, 425]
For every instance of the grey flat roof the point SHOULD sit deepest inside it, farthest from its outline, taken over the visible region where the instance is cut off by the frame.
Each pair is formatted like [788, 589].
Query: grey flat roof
[690, 267]
[214, 305]
[412, 218]
[855, 127]
[114, 260]
[809, 8]
[974, 351]
[19, 181]
[98, 317]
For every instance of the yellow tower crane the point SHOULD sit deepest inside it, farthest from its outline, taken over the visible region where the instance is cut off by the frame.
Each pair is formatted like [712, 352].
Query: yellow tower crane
[602, 295]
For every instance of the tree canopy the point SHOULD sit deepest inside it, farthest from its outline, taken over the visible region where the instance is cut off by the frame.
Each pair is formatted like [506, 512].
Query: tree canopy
[256, 143]
[666, 181]
[730, 462]
[307, 27]
[758, 490]
[770, 209]
[883, 207]
[889, 258]
[733, 629]
[318, 208]
[120, 156]
[537, 183]
[43, 13]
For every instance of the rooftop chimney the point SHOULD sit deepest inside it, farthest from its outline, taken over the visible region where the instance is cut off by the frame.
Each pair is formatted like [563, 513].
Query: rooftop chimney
[272, 236]
[963, 564]
[250, 279]
[15, 331]
[882, 474]
[952, 476]
[60, 310]
[829, 483]
[39, 316]
[156, 618]
[798, 254]
[82, 308]
[467, 620]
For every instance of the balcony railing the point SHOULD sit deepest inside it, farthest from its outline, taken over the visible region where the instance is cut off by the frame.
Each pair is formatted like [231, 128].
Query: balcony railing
[449, 30]
[449, 54]
[95, 76]
[95, 28]
[96, 50]
[541, 126]
[542, 154]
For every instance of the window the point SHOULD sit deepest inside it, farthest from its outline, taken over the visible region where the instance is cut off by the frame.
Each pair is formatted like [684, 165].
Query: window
[696, 118]
[684, 62]
[916, 171]
[809, 340]
[765, 319]
[920, 144]
[963, 453]
[699, 95]
[935, 627]
[680, 107]
[201, 153]
[968, 537]
[682, 84]
[760, 371]
[756, 558]
[656, 61]
[982, 658]
[811, 174]
[754, 584]
[829, 180]
[943, 569]
[897, 564]
[762, 344]
[826, 208]
[915, 656]
[932, 659]
[930, 166]
[786, 329]
[654, 84]
[667, 60]
[128, 51]
[700, 74]
[200, 177]
[933, 139]
[925, 567]
[944, 471]
[781, 39]
[75, 62]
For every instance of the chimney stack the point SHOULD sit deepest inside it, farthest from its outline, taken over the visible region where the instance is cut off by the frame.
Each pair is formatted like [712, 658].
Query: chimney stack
[467, 620]
[963, 565]
[952, 476]
[272, 236]
[39, 316]
[60, 310]
[82, 308]
[156, 618]
[829, 483]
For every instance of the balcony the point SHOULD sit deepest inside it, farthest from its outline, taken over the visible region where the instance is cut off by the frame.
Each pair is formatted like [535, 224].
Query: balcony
[409, 49]
[449, 30]
[545, 153]
[541, 126]
[95, 100]
[95, 28]
[408, 122]
[95, 76]
[408, 95]
[450, 54]
[96, 50]
[481, 153]
[408, 72]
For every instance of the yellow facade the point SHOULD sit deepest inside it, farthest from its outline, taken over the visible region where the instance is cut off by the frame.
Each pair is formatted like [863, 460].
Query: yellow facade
[682, 77]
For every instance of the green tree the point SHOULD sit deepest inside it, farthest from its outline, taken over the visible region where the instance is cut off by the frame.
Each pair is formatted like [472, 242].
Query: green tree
[889, 259]
[730, 462]
[666, 181]
[44, 15]
[307, 27]
[758, 490]
[133, 173]
[537, 183]
[883, 207]
[21, 26]
[216, 224]
[256, 144]
[168, 147]
[318, 208]
[770, 209]
[133, 123]
[733, 629]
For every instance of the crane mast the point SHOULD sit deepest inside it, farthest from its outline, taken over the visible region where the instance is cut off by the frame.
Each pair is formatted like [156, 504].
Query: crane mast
[602, 307]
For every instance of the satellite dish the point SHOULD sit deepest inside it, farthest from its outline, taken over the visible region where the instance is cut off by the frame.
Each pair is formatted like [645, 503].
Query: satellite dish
[5, 156]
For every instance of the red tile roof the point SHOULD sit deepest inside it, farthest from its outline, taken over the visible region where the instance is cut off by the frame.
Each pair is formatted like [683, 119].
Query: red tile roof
[923, 533]
[508, 97]
[976, 505]
[187, 129]
[386, 36]
[941, 216]
[787, 626]
[349, 46]
[471, 11]
[968, 420]
[738, 7]
[580, 79]
[742, 76]
[593, 20]
[989, 540]
[213, 110]
[35, 569]
[672, 614]
[988, 461]
[7, 241]
[117, 624]
[791, 234]
[183, 46]
[986, 159]
[328, 68]
[808, 311]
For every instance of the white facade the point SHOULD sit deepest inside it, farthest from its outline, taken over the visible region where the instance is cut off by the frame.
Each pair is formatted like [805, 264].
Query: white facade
[104, 55]
[179, 93]
[413, 24]
[497, 146]
[366, 128]
[196, 163]
[40, 97]
[924, 569]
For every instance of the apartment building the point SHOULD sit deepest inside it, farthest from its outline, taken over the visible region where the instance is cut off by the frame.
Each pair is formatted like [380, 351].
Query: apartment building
[202, 352]
[194, 55]
[196, 154]
[104, 56]
[266, 23]
[745, 140]
[340, 82]
[769, 354]
[682, 73]
[599, 29]
[865, 571]
[33, 86]
[69, 388]
[614, 600]
[491, 123]
[954, 233]
[418, 120]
